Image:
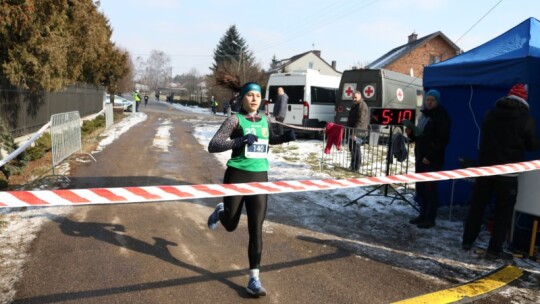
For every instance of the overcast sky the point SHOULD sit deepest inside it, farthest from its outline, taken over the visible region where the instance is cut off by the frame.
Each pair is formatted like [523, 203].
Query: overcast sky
[352, 32]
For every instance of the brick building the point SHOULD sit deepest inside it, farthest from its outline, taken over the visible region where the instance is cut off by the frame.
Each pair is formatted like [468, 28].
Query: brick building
[412, 57]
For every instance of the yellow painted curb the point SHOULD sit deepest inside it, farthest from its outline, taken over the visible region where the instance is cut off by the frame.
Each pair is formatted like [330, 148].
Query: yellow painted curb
[479, 287]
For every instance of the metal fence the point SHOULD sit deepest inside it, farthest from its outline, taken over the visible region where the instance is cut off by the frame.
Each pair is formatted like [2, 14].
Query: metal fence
[26, 112]
[381, 154]
[377, 158]
[65, 136]
[109, 116]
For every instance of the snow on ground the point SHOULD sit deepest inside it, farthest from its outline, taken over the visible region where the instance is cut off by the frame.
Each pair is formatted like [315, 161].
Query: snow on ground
[162, 140]
[118, 129]
[194, 109]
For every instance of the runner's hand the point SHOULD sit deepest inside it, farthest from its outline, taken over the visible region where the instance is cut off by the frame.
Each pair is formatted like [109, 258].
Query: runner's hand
[249, 139]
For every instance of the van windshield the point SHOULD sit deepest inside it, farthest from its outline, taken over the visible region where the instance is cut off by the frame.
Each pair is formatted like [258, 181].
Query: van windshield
[295, 93]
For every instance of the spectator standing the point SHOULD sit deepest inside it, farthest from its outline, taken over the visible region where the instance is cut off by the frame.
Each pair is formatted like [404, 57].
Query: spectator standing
[145, 99]
[235, 103]
[214, 105]
[226, 106]
[508, 130]
[358, 121]
[280, 109]
[137, 98]
[431, 140]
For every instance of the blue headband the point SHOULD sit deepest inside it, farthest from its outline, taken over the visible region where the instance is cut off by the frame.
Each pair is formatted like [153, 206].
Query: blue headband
[249, 87]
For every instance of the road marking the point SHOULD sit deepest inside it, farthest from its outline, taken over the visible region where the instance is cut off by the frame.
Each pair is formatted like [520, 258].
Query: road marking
[469, 291]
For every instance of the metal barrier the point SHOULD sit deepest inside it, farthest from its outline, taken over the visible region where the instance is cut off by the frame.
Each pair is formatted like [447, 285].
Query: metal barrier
[65, 136]
[109, 116]
[376, 154]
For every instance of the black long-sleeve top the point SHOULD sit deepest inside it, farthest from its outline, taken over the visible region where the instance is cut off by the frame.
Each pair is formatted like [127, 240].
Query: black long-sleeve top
[229, 136]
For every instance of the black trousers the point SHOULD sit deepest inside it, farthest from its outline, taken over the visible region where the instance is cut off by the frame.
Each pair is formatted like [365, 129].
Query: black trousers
[279, 127]
[427, 194]
[505, 190]
[256, 206]
[355, 146]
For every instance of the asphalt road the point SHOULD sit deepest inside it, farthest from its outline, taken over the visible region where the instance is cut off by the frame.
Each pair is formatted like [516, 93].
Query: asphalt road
[164, 253]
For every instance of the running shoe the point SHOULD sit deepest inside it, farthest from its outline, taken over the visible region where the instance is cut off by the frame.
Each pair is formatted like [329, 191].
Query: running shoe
[255, 288]
[500, 255]
[213, 219]
[466, 246]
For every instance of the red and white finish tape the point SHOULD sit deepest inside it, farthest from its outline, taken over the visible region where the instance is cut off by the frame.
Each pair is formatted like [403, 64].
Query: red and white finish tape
[297, 127]
[95, 196]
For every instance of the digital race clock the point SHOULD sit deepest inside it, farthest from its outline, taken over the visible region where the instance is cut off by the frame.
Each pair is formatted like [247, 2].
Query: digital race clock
[383, 116]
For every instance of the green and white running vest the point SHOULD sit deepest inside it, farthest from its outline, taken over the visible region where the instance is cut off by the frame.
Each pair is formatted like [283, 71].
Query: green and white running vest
[254, 158]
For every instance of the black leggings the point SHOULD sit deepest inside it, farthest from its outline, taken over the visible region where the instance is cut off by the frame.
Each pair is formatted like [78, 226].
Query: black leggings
[505, 190]
[255, 208]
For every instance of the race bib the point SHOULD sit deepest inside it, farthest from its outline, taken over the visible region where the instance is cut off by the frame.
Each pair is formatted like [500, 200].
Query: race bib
[258, 149]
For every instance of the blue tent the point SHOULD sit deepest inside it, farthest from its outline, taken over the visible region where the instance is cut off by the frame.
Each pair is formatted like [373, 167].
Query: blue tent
[471, 82]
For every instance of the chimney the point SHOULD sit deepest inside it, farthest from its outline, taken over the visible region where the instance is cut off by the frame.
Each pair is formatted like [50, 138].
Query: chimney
[413, 37]
[333, 64]
[317, 53]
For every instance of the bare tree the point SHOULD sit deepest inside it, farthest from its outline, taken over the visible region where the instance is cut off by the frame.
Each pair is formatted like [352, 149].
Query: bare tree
[125, 84]
[156, 70]
[189, 80]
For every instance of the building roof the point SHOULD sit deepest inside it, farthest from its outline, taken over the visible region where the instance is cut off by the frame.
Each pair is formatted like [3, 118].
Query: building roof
[405, 49]
[285, 62]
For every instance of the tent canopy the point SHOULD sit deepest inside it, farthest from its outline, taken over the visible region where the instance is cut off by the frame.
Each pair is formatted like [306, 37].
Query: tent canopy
[505, 60]
[471, 82]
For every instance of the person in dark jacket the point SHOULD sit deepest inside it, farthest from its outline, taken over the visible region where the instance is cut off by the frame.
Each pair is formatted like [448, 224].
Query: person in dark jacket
[508, 131]
[358, 121]
[280, 109]
[431, 140]
[235, 103]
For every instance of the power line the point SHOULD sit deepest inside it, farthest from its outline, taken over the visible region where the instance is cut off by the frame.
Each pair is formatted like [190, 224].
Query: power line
[485, 15]
[301, 28]
[328, 20]
[324, 11]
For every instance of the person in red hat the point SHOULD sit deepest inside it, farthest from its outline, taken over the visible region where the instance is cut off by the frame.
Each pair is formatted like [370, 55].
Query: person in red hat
[508, 130]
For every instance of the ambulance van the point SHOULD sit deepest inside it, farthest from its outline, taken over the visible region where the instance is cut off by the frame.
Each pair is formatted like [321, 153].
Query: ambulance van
[380, 88]
[312, 98]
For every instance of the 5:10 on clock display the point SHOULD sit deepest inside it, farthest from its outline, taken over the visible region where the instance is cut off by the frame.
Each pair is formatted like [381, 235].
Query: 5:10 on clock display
[385, 117]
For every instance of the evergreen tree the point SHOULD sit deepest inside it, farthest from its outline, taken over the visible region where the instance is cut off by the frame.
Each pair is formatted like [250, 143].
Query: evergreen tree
[233, 65]
[47, 45]
[232, 48]
[274, 64]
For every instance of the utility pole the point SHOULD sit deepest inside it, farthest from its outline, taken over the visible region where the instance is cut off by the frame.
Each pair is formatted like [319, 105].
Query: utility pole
[241, 62]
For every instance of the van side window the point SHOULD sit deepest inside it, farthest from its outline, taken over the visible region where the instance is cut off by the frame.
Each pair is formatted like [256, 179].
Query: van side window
[321, 95]
[295, 93]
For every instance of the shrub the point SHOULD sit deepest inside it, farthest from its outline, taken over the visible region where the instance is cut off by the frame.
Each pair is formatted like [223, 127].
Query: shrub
[3, 183]
[41, 146]
[90, 126]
